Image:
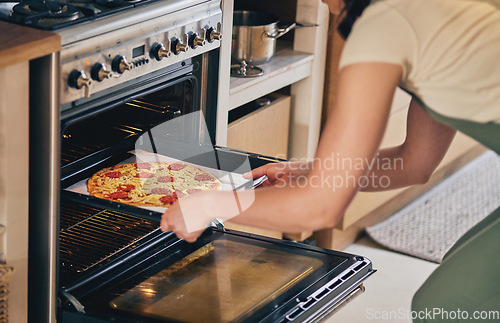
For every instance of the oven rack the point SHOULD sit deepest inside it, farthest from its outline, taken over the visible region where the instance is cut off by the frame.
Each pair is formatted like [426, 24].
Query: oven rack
[100, 235]
[95, 233]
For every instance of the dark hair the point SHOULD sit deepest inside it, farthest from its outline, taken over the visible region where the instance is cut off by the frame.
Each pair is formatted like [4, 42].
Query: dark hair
[352, 10]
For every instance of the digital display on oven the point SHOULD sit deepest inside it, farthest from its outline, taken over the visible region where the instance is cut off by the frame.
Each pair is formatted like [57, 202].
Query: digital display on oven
[138, 51]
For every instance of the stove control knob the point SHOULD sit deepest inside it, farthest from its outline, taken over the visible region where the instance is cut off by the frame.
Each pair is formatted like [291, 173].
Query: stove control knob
[179, 46]
[160, 51]
[213, 34]
[99, 72]
[196, 40]
[79, 79]
[120, 64]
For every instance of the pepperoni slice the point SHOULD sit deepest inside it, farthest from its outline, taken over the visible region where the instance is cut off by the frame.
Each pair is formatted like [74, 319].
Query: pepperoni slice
[193, 190]
[168, 199]
[144, 175]
[176, 166]
[165, 179]
[160, 190]
[118, 195]
[126, 187]
[203, 177]
[143, 165]
[113, 174]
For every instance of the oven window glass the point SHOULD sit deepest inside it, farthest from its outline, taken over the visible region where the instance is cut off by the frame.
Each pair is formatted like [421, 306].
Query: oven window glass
[220, 282]
[125, 122]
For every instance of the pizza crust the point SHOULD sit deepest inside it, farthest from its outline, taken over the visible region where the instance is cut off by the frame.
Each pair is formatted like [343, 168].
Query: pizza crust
[150, 184]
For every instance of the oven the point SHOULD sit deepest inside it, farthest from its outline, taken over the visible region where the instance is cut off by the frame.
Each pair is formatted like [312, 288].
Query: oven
[115, 265]
[137, 79]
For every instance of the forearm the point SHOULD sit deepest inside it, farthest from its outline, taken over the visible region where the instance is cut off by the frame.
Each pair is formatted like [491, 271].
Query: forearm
[353, 133]
[388, 171]
[415, 160]
[287, 209]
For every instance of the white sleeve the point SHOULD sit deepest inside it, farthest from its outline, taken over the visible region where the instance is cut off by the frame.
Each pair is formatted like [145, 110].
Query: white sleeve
[381, 34]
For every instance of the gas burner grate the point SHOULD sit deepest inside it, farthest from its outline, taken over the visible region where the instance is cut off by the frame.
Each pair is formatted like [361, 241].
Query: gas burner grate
[91, 236]
[44, 12]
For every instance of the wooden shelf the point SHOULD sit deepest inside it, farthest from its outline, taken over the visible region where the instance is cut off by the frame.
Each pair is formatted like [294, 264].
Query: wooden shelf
[286, 67]
[299, 62]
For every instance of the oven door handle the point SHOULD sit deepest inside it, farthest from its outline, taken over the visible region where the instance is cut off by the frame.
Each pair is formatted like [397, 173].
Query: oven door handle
[217, 223]
[75, 302]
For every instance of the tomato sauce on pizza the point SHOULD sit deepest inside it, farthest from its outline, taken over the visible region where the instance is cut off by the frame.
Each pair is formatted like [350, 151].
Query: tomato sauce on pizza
[150, 184]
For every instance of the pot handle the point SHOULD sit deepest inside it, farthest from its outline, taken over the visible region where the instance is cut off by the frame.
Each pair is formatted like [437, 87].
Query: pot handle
[280, 31]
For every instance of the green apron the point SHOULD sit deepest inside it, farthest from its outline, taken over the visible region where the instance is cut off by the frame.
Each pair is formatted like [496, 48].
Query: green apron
[487, 134]
[467, 283]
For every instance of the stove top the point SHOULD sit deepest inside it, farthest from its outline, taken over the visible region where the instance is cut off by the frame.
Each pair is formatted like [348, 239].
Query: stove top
[57, 14]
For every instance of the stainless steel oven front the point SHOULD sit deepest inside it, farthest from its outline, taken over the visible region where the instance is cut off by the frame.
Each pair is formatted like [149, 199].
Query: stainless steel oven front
[116, 80]
[147, 61]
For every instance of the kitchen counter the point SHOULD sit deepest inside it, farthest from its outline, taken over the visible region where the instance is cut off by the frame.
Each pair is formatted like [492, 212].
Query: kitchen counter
[21, 44]
[18, 46]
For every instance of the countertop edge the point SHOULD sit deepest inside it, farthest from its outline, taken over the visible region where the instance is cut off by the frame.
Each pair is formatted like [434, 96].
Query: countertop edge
[19, 43]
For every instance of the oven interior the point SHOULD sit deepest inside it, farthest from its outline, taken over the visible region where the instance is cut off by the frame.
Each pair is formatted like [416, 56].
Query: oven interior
[109, 130]
[162, 119]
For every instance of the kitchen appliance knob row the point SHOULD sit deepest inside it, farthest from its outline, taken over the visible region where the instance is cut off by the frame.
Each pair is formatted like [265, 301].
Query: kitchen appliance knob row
[79, 79]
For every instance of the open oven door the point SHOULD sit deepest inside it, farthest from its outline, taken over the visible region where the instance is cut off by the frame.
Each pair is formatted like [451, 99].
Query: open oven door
[224, 277]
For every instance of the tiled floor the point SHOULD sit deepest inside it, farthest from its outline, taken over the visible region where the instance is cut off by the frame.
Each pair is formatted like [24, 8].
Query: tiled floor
[389, 291]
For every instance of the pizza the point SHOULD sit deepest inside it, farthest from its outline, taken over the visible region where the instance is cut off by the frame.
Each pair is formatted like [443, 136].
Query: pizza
[150, 184]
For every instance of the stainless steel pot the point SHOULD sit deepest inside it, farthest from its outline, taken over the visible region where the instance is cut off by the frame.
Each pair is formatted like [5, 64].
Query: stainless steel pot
[254, 36]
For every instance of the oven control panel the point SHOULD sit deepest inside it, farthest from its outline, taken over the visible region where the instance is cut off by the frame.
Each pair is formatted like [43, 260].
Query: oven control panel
[107, 60]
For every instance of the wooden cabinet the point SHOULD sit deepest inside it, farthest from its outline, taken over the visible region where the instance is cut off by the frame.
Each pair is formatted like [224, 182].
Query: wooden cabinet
[263, 131]
[299, 65]
[18, 45]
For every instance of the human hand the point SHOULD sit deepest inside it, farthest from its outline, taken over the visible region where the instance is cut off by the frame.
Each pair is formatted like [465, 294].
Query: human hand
[174, 220]
[190, 216]
[280, 174]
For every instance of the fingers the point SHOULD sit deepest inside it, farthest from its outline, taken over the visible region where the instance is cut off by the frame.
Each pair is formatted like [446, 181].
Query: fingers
[172, 220]
[257, 172]
[165, 226]
[191, 237]
[273, 171]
